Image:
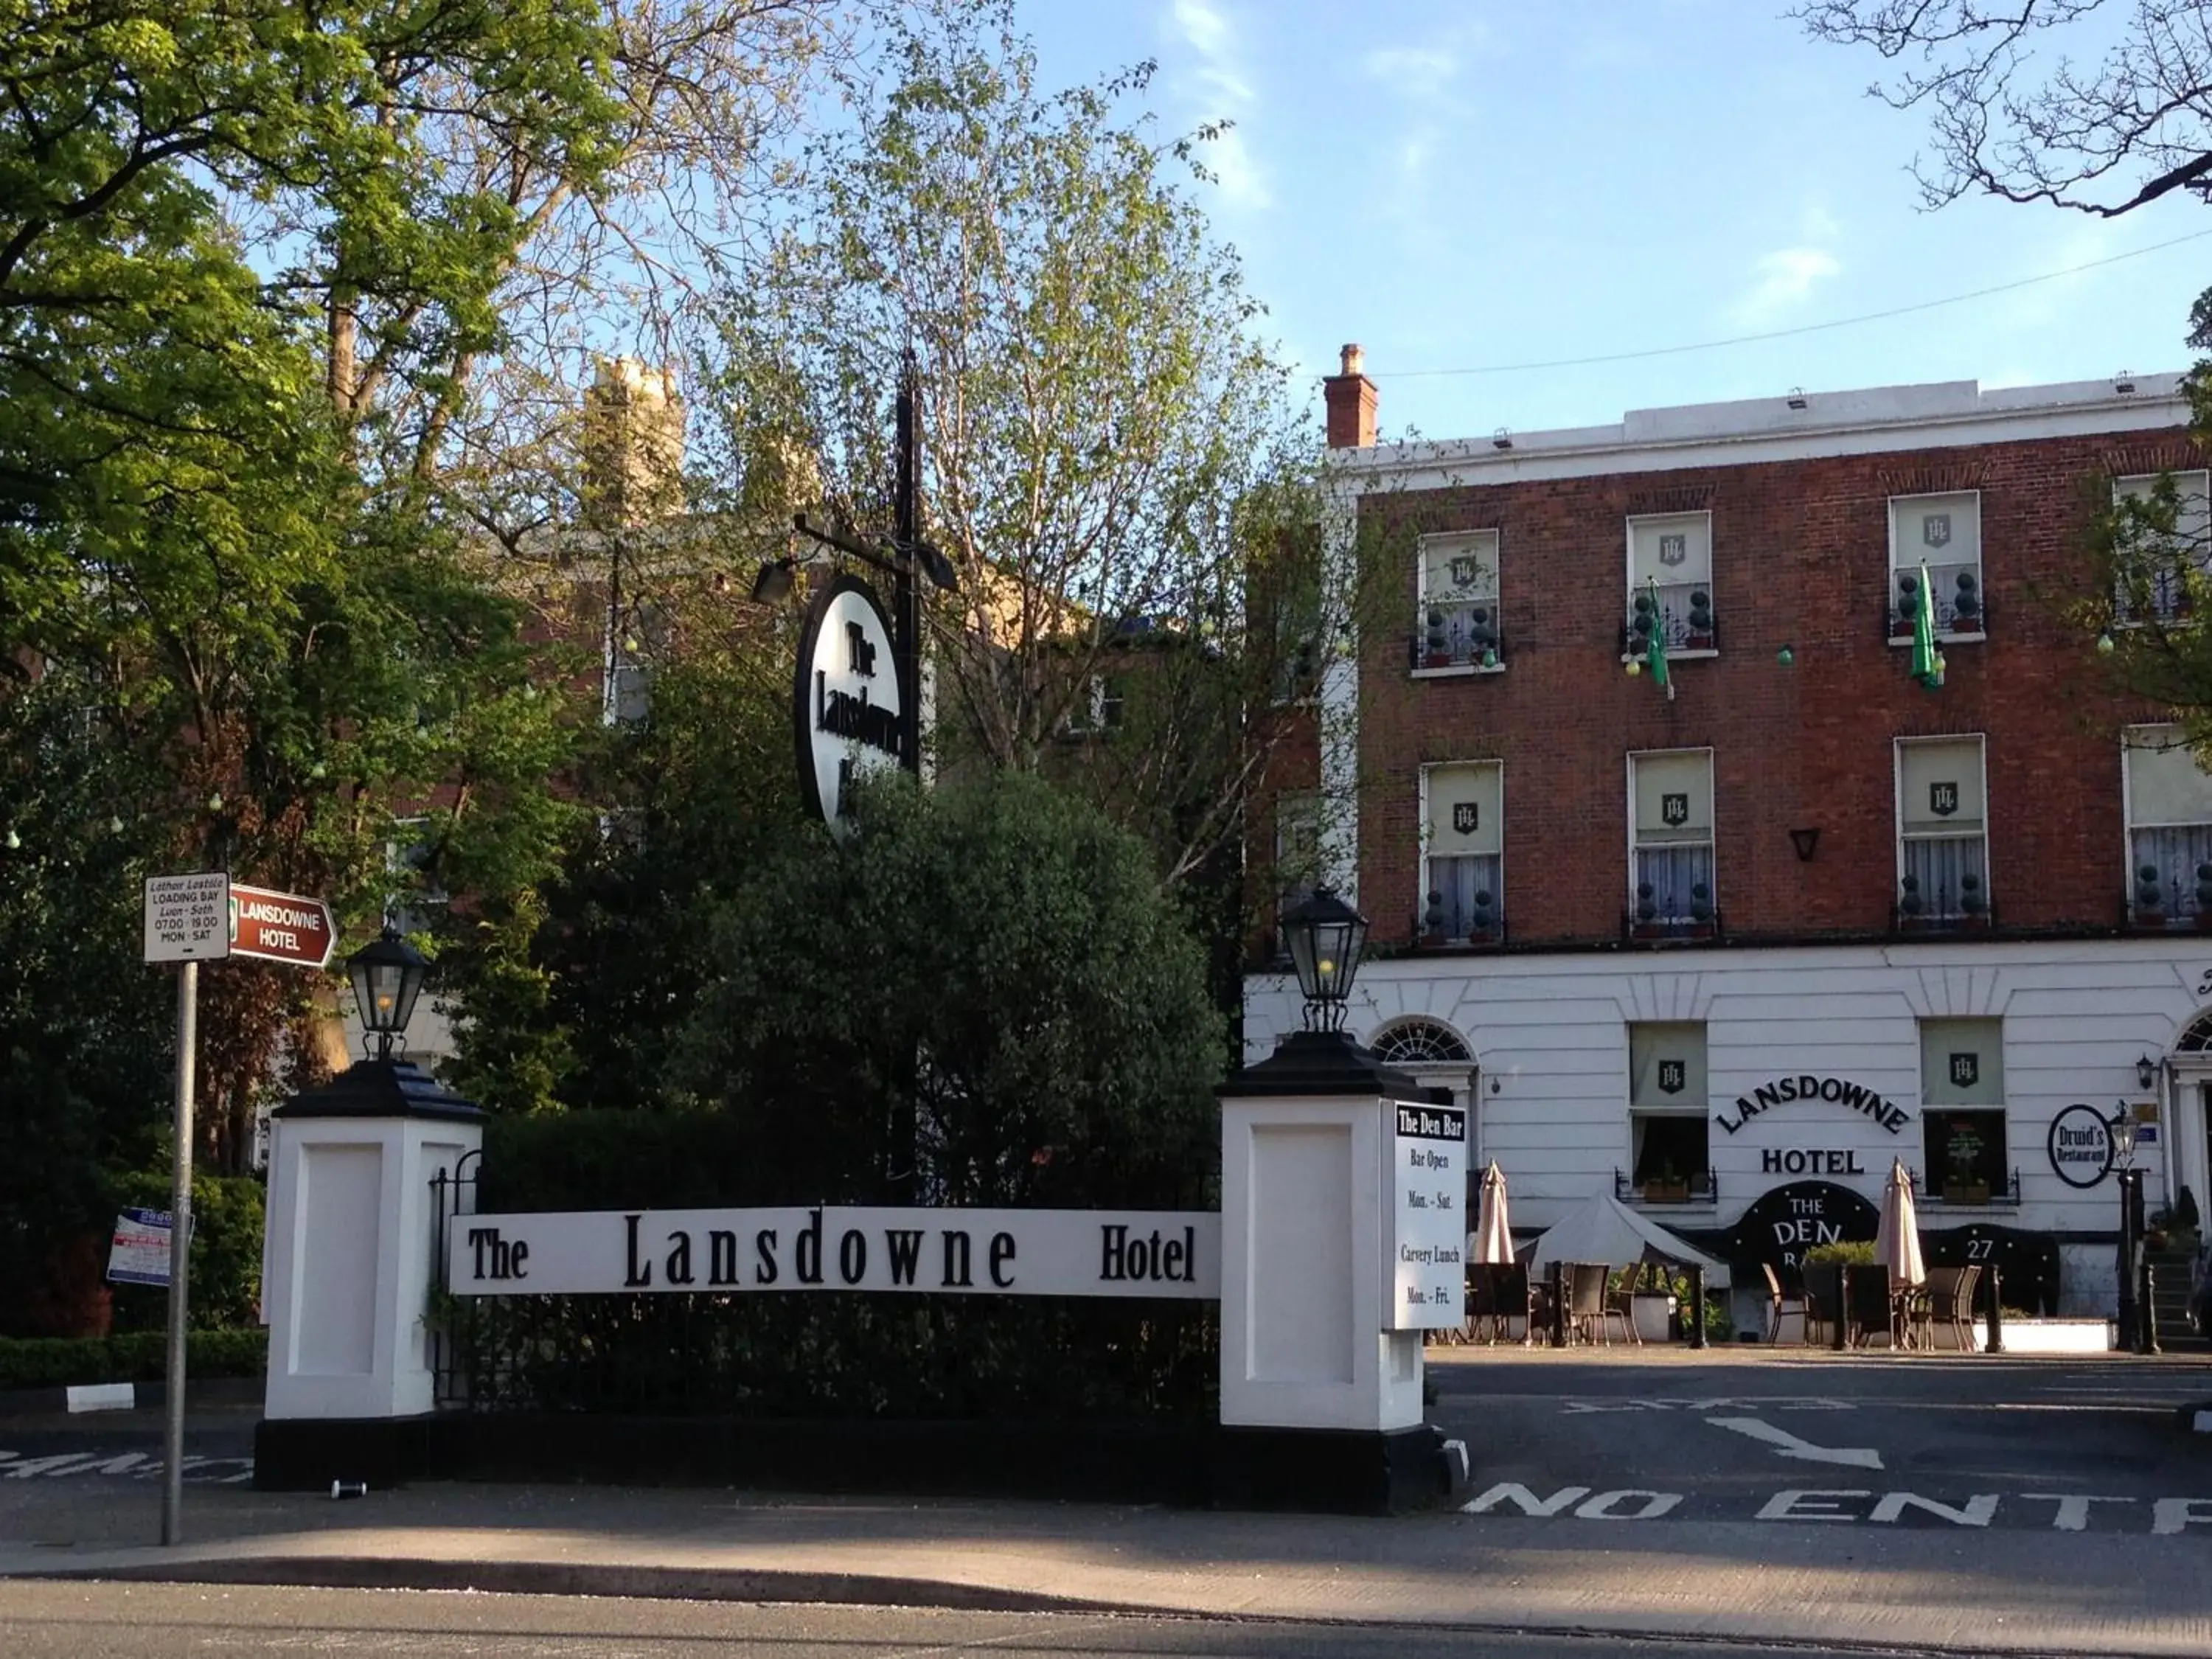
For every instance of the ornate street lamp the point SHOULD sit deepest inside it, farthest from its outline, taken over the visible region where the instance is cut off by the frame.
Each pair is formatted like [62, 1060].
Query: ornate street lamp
[2122, 1128]
[1325, 936]
[387, 976]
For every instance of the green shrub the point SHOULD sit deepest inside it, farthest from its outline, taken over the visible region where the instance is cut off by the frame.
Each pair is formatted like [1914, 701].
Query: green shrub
[136, 1357]
[1857, 1254]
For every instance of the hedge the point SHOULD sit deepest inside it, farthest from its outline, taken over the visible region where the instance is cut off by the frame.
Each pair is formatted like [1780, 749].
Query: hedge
[56, 1362]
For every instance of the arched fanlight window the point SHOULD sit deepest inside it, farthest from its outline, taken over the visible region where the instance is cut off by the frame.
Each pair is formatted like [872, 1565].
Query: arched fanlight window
[2198, 1039]
[1420, 1041]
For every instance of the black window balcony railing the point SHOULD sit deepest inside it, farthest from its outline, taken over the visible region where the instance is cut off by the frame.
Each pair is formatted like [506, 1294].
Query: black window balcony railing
[1458, 636]
[2169, 900]
[1698, 1187]
[1702, 926]
[1940, 909]
[1483, 928]
[1965, 1193]
[1687, 622]
[1961, 607]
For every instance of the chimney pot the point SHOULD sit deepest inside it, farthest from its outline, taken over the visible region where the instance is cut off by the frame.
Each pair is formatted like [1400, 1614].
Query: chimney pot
[1351, 399]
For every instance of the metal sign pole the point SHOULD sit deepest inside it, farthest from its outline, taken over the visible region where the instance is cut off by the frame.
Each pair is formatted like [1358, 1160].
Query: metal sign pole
[180, 1233]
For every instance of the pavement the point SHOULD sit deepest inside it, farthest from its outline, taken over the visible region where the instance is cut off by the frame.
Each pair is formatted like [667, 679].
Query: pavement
[1921, 1503]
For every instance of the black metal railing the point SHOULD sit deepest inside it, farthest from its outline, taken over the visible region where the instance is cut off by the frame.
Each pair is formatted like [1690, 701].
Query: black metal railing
[1969, 910]
[809, 1354]
[1477, 937]
[1958, 610]
[1660, 928]
[1699, 1187]
[1459, 636]
[1970, 1196]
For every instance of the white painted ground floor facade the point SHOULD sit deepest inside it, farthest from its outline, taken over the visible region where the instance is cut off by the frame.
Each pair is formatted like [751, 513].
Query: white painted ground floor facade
[1717, 1088]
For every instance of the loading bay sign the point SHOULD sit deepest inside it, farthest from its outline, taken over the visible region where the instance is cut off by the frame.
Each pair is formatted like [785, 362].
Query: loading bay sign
[1175, 1255]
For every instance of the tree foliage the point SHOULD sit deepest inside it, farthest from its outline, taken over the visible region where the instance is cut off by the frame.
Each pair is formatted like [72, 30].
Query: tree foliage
[2063, 101]
[994, 955]
[1110, 453]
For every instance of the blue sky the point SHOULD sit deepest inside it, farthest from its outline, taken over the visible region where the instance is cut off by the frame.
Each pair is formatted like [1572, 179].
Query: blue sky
[1469, 183]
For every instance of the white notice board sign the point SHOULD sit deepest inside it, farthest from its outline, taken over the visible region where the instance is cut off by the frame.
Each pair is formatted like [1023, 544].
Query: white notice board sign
[1427, 1266]
[188, 917]
[139, 1253]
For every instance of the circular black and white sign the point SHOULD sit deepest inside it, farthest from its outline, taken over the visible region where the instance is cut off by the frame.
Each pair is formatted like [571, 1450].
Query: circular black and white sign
[2081, 1146]
[846, 707]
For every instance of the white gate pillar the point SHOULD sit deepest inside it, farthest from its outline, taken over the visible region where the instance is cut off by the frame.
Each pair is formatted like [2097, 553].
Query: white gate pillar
[1321, 1389]
[352, 1231]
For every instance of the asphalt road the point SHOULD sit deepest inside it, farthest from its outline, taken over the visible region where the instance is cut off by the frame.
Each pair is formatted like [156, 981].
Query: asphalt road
[44, 1620]
[1969, 1443]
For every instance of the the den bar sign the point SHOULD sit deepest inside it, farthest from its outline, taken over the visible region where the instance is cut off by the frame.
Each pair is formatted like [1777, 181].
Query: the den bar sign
[1131, 1253]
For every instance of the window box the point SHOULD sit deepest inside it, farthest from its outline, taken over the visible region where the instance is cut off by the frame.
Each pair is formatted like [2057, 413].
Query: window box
[1666, 1191]
[1666, 1187]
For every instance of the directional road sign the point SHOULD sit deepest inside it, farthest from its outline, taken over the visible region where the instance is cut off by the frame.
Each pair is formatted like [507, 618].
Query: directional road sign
[280, 927]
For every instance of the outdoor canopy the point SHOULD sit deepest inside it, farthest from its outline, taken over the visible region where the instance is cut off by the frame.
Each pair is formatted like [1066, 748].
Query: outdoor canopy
[1602, 1229]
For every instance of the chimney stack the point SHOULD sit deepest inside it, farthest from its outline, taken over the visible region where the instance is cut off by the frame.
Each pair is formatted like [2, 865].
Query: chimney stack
[633, 444]
[1351, 397]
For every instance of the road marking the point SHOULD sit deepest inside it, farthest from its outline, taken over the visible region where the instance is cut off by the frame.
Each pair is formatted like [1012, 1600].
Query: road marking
[1525, 1501]
[2072, 1511]
[1978, 1512]
[1857, 1457]
[1605, 1505]
[1720, 1403]
[1807, 1504]
[2171, 1514]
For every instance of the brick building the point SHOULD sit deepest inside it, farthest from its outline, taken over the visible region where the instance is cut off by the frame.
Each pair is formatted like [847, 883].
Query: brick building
[1727, 923]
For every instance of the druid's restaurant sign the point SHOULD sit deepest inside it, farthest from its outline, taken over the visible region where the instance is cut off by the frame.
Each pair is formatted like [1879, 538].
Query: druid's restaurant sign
[1853, 1096]
[1129, 1253]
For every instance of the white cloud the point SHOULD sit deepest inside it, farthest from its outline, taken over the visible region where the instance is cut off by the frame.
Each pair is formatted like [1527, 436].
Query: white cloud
[1227, 92]
[1420, 72]
[1785, 277]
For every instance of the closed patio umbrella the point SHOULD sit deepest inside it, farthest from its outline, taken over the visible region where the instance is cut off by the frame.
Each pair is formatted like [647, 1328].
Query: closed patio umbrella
[1494, 1239]
[1897, 1244]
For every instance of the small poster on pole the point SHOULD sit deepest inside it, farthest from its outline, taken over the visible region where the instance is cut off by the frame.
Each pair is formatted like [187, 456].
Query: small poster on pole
[140, 1252]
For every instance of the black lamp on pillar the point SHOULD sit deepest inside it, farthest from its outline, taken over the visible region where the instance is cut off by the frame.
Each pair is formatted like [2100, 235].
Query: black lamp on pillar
[2146, 1070]
[1325, 936]
[387, 976]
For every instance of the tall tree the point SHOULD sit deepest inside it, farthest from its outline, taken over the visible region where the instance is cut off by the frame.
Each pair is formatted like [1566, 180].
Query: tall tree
[1114, 459]
[2060, 101]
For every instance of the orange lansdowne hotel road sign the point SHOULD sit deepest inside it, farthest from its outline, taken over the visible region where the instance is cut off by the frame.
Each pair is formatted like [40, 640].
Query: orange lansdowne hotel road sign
[280, 927]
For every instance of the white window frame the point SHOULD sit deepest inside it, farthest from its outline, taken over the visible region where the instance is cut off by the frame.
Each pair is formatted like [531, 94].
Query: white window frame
[1944, 635]
[2168, 612]
[1689, 928]
[1710, 584]
[1421, 667]
[2188, 915]
[1898, 746]
[411, 911]
[1498, 889]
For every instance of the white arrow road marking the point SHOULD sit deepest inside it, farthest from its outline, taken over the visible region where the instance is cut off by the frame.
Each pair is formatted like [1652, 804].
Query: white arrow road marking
[1857, 1458]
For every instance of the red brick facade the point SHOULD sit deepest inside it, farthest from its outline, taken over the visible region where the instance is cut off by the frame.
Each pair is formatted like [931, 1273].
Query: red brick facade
[1800, 559]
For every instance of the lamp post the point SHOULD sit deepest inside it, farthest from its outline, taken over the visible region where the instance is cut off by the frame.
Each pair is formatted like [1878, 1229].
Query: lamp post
[2123, 1130]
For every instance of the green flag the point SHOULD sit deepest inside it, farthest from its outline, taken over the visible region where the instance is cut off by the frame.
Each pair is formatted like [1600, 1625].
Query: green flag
[1655, 649]
[1927, 660]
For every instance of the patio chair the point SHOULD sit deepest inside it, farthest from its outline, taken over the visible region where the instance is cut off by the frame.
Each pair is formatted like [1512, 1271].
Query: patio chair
[1621, 1303]
[1482, 1302]
[1824, 1297]
[1946, 1299]
[1780, 1302]
[1586, 1299]
[1516, 1299]
[1868, 1307]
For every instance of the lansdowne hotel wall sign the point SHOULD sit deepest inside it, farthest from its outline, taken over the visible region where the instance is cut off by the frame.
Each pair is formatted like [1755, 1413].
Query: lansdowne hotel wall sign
[846, 705]
[1136, 1253]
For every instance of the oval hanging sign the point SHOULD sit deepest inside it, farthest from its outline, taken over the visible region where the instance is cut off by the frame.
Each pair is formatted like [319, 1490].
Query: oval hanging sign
[846, 711]
[2081, 1146]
